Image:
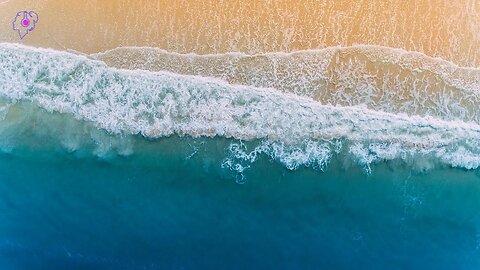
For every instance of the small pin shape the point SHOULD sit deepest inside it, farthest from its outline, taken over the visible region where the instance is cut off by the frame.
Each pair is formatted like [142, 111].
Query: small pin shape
[24, 22]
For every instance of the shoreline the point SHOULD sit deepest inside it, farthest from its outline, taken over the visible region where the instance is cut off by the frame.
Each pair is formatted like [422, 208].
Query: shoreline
[212, 27]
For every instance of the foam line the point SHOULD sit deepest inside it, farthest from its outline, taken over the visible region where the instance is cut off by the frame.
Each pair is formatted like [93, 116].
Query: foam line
[386, 79]
[296, 130]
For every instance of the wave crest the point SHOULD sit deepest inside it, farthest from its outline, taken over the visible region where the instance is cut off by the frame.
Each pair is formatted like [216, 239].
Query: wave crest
[296, 130]
[386, 79]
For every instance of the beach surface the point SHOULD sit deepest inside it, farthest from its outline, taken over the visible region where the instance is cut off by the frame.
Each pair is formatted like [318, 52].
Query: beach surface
[438, 28]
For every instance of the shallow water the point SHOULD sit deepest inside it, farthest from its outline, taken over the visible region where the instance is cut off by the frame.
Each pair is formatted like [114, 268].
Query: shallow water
[163, 208]
[128, 169]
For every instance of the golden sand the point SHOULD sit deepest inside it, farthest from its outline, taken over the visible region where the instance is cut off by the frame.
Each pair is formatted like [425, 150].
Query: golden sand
[449, 29]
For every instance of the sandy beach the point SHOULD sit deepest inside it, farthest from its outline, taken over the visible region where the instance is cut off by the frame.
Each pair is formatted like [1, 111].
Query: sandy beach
[438, 28]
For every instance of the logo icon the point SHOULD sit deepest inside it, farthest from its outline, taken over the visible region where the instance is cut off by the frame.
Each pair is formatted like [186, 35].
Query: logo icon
[24, 22]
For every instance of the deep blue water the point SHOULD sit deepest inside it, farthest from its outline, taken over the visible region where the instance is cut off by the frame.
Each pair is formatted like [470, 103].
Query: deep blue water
[159, 209]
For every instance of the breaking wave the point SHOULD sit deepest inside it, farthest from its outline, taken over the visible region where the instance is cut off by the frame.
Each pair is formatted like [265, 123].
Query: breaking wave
[386, 79]
[294, 128]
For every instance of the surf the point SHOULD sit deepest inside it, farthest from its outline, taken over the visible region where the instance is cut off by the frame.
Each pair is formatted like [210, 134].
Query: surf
[382, 78]
[292, 129]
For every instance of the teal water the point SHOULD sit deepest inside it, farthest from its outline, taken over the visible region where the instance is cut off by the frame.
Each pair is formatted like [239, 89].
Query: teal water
[104, 168]
[163, 208]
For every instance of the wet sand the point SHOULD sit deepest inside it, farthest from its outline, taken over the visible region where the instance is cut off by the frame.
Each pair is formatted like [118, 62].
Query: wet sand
[438, 28]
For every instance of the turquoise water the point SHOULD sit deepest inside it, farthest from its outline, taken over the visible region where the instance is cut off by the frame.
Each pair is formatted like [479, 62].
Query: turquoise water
[105, 168]
[160, 209]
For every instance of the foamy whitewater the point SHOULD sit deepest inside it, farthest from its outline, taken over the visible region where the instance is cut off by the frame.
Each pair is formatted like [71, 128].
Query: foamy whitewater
[292, 128]
[360, 156]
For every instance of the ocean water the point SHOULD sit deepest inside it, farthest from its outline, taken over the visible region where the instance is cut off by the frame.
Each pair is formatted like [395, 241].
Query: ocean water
[162, 210]
[287, 165]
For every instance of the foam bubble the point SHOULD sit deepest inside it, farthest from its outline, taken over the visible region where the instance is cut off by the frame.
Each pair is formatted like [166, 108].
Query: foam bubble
[386, 79]
[295, 130]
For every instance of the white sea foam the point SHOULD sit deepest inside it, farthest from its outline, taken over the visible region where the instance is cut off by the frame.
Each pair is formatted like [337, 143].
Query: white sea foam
[386, 79]
[293, 129]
